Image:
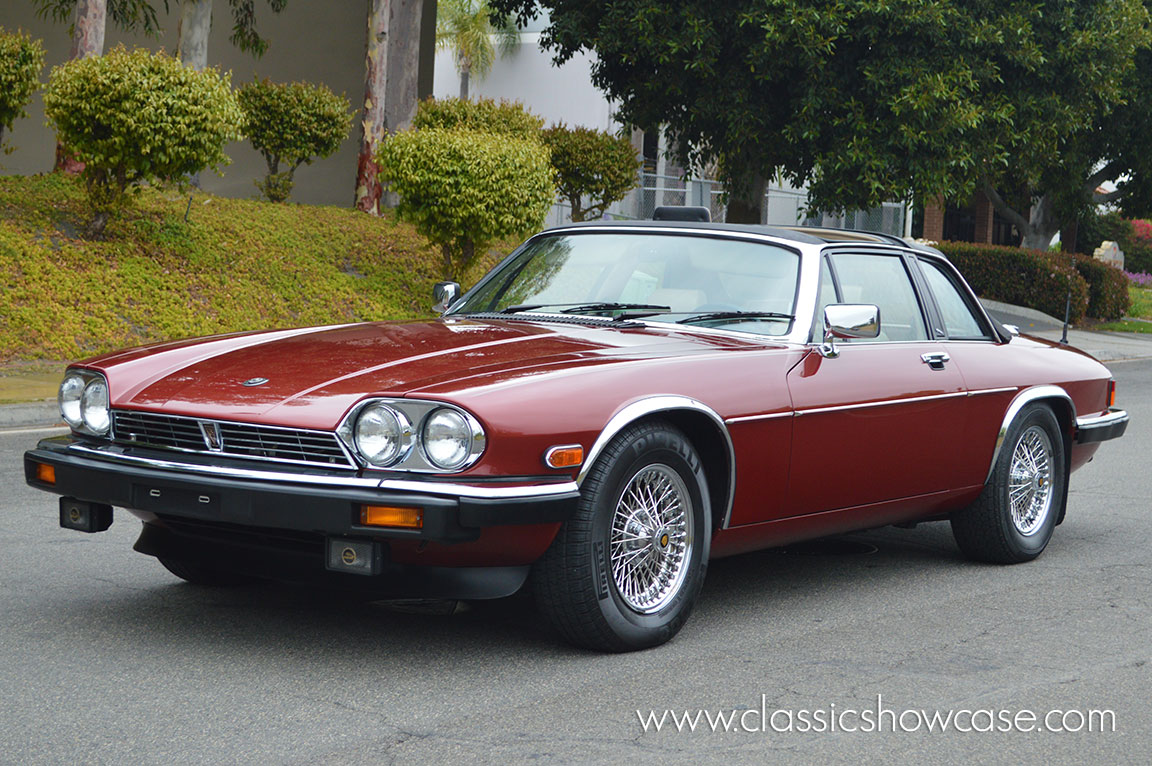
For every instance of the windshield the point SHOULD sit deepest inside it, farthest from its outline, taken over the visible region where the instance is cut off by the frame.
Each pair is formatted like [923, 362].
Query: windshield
[688, 279]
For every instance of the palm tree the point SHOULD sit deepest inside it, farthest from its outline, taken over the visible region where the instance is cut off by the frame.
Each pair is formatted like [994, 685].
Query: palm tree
[465, 27]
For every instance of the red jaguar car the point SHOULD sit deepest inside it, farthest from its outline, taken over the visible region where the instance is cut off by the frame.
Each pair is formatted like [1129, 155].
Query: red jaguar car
[614, 405]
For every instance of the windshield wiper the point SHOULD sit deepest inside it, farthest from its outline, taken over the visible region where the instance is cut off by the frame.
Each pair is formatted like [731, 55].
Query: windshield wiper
[577, 308]
[609, 306]
[754, 315]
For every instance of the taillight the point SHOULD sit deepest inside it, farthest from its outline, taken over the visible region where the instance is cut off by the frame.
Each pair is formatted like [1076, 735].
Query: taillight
[1111, 393]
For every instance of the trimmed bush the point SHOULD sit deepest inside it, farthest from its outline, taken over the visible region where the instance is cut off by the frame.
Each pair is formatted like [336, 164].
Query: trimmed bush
[21, 59]
[1133, 236]
[463, 189]
[1031, 278]
[484, 116]
[1107, 288]
[1137, 246]
[133, 117]
[292, 123]
[593, 165]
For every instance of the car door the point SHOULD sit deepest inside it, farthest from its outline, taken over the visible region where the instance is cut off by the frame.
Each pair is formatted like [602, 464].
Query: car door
[878, 422]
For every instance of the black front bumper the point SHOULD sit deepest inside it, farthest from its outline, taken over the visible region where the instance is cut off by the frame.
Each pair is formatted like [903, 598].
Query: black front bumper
[1098, 428]
[304, 502]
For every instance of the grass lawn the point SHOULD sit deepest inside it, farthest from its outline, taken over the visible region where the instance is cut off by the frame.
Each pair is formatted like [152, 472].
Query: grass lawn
[169, 269]
[1141, 309]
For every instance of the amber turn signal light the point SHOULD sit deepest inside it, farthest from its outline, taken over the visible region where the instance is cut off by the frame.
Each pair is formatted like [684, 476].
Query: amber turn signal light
[1111, 393]
[567, 456]
[46, 473]
[391, 516]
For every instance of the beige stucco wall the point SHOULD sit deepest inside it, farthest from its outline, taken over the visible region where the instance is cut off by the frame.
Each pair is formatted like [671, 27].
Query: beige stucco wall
[313, 40]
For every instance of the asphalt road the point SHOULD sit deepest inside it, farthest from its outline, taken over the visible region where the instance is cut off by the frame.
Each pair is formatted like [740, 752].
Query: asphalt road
[105, 658]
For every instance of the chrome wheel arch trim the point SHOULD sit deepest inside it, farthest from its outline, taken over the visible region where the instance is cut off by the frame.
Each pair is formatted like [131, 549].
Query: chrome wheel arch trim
[1023, 399]
[653, 405]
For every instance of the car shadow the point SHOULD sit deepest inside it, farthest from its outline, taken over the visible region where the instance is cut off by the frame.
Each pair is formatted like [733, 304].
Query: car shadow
[246, 620]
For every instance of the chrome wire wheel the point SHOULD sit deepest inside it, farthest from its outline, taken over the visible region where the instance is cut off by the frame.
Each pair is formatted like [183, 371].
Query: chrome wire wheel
[651, 539]
[1030, 481]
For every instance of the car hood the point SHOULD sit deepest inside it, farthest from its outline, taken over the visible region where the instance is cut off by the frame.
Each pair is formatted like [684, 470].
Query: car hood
[314, 376]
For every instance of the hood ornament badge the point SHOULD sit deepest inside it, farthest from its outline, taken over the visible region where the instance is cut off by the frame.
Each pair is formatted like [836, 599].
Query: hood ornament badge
[211, 433]
[254, 382]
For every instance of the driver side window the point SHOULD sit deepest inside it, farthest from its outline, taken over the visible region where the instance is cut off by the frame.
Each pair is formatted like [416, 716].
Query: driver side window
[882, 280]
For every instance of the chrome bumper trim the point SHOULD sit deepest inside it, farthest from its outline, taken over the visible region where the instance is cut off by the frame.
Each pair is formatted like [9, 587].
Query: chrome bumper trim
[396, 485]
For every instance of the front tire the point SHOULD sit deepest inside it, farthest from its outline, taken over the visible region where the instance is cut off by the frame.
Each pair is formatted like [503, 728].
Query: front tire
[1013, 519]
[624, 572]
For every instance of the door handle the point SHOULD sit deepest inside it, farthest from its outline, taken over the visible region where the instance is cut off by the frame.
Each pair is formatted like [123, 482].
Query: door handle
[936, 359]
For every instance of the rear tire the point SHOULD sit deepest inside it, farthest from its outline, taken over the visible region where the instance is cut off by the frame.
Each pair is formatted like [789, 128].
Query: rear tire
[624, 571]
[1013, 519]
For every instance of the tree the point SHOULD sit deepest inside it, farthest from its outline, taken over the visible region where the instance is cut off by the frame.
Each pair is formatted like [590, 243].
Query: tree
[465, 189]
[139, 116]
[467, 28]
[863, 102]
[294, 123]
[196, 23]
[391, 69]
[591, 164]
[21, 59]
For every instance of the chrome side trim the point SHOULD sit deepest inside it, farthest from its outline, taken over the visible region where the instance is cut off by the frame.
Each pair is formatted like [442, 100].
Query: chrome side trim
[748, 418]
[394, 485]
[1007, 389]
[883, 403]
[1024, 398]
[650, 406]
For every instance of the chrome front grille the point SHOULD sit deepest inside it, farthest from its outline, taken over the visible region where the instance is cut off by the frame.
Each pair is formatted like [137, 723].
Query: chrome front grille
[220, 437]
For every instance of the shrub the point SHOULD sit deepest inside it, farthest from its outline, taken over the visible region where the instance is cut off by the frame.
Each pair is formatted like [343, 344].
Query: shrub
[1133, 236]
[21, 59]
[591, 164]
[139, 116]
[1107, 288]
[463, 189]
[1137, 246]
[1031, 278]
[483, 116]
[292, 123]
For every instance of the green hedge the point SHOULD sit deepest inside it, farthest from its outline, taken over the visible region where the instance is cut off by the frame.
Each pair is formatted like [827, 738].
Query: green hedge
[1031, 278]
[1107, 288]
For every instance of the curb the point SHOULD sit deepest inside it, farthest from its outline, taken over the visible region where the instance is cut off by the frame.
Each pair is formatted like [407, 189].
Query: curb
[30, 414]
[1020, 311]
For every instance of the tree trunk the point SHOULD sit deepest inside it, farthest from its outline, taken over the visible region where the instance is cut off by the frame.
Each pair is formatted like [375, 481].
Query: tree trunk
[403, 64]
[465, 72]
[1068, 236]
[368, 187]
[87, 40]
[403, 87]
[1042, 225]
[1038, 229]
[195, 24]
[746, 200]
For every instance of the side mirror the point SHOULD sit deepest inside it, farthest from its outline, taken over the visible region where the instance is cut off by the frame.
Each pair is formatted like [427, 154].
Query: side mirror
[848, 320]
[444, 294]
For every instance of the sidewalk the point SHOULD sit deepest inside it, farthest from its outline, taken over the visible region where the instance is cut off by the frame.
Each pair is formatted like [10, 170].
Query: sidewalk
[28, 389]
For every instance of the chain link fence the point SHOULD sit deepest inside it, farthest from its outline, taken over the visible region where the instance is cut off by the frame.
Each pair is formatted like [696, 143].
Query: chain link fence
[784, 206]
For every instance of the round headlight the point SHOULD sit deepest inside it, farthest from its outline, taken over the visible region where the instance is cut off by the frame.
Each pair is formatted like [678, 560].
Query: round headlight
[447, 439]
[94, 406]
[70, 392]
[382, 435]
